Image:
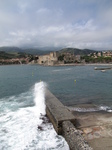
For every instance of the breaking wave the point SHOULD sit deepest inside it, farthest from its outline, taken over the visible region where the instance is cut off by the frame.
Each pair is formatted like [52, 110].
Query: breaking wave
[25, 126]
[97, 108]
[58, 70]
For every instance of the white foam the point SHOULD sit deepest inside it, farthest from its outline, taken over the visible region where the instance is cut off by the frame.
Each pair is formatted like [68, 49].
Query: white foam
[19, 128]
[97, 108]
[58, 70]
[79, 109]
[109, 111]
[39, 98]
[105, 108]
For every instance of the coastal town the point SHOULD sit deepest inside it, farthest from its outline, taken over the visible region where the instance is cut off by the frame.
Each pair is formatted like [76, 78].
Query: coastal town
[56, 58]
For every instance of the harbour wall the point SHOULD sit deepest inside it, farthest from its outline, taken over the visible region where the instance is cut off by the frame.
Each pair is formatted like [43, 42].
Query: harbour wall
[64, 123]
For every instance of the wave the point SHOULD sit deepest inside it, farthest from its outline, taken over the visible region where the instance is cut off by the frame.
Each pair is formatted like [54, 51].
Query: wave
[105, 108]
[97, 108]
[58, 70]
[28, 128]
[39, 98]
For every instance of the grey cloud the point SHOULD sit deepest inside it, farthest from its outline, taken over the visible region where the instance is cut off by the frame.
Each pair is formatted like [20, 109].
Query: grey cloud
[82, 24]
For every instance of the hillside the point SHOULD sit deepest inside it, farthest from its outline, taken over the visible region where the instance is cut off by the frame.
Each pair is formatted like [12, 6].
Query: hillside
[76, 51]
[25, 50]
[43, 51]
[36, 51]
[10, 55]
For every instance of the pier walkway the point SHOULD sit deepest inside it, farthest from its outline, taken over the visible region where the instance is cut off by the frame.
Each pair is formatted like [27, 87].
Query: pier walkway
[64, 123]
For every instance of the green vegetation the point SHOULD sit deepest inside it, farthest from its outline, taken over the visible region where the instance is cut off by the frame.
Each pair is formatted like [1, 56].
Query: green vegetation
[76, 51]
[101, 59]
[15, 55]
[10, 55]
[32, 51]
[61, 57]
[14, 58]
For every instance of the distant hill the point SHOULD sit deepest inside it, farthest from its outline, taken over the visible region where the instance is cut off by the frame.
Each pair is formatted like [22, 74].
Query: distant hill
[10, 49]
[35, 51]
[47, 50]
[76, 51]
[10, 55]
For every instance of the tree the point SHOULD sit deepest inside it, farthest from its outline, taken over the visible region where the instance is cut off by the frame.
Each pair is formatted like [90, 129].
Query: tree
[61, 58]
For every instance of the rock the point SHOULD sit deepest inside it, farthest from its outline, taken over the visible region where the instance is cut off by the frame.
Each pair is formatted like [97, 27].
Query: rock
[87, 130]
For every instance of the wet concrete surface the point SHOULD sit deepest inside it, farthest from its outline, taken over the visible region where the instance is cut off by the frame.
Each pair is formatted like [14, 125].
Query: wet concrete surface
[96, 128]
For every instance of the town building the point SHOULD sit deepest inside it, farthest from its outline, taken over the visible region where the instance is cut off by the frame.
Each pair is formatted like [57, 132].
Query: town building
[48, 59]
[107, 54]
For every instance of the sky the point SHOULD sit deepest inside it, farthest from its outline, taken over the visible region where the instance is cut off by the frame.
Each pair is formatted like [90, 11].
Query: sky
[56, 23]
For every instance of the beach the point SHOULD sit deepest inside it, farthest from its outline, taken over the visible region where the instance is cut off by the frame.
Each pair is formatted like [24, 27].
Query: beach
[95, 126]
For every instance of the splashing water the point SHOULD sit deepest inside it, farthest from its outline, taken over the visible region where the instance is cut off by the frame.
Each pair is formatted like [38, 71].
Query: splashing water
[39, 94]
[24, 126]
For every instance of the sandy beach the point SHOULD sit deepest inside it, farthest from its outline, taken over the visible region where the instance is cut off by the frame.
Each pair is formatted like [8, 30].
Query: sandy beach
[96, 127]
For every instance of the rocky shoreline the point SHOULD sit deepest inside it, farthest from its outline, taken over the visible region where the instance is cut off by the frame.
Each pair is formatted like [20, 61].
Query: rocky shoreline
[96, 127]
[69, 64]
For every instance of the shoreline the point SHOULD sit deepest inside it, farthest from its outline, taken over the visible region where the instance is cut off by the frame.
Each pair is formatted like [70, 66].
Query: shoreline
[56, 65]
[81, 64]
[95, 126]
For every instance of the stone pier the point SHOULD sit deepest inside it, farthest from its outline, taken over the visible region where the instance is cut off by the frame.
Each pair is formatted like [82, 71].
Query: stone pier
[64, 122]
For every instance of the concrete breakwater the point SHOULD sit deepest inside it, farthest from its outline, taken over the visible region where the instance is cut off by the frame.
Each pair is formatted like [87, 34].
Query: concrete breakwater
[64, 123]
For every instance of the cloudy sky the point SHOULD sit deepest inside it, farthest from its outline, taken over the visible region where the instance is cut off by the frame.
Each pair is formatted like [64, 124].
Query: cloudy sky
[56, 23]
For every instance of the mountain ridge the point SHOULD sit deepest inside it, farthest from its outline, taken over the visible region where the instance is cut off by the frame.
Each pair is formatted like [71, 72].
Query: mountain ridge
[42, 51]
[76, 51]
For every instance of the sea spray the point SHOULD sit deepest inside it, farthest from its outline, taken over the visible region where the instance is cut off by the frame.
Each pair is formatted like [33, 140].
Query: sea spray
[39, 98]
[46, 132]
[20, 122]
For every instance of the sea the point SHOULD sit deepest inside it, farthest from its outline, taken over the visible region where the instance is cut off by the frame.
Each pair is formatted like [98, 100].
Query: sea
[23, 121]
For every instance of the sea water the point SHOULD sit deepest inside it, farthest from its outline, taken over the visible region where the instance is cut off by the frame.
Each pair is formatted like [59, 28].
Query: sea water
[23, 124]
[23, 121]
